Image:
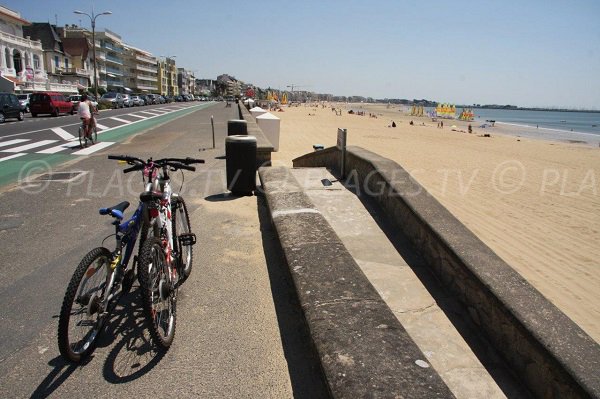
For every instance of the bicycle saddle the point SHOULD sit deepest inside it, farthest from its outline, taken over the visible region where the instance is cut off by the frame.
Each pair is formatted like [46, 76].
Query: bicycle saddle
[115, 211]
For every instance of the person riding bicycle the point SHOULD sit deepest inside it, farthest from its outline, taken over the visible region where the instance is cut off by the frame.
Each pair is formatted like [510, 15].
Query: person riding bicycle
[86, 111]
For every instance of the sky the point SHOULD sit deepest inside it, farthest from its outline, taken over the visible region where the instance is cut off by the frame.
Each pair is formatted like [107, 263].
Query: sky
[527, 53]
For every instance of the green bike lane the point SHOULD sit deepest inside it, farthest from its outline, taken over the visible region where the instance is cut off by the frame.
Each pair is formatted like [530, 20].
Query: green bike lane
[23, 168]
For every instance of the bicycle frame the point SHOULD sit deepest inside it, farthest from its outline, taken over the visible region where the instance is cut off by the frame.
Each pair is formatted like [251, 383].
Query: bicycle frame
[126, 236]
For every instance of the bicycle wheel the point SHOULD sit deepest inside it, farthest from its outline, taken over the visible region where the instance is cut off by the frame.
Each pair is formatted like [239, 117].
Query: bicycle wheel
[82, 140]
[180, 220]
[94, 135]
[79, 322]
[159, 292]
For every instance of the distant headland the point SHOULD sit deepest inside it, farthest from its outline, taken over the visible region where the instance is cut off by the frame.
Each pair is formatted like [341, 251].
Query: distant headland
[429, 103]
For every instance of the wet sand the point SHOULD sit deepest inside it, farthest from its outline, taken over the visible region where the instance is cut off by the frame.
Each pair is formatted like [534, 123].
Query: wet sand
[536, 203]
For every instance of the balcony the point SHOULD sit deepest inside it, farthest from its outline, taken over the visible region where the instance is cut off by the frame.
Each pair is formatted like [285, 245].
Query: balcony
[144, 58]
[111, 47]
[114, 83]
[77, 71]
[22, 43]
[114, 71]
[113, 59]
[50, 86]
[149, 78]
[142, 86]
[146, 68]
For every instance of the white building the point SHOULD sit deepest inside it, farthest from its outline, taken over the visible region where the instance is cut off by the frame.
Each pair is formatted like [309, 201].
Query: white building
[21, 59]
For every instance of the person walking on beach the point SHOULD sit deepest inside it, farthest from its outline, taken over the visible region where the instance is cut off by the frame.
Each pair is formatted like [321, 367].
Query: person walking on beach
[441, 124]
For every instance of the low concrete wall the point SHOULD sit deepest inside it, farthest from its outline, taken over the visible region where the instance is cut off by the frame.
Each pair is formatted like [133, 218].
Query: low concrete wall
[363, 349]
[547, 351]
[264, 148]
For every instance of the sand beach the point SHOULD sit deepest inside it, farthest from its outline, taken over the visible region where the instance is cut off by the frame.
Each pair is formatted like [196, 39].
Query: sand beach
[536, 203]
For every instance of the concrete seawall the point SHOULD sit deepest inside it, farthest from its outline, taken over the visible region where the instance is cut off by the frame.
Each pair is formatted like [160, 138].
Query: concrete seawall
[546, 350]
[363, 349]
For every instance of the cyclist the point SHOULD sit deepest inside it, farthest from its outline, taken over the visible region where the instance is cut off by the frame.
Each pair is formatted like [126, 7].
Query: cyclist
[86, 110]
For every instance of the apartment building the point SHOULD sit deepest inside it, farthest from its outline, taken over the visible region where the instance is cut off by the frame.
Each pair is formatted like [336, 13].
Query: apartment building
[110, 60]
[140, 70]
[186, 81]
[167, 77]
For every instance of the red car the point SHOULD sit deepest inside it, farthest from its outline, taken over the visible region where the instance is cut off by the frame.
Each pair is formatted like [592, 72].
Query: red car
[49, 102]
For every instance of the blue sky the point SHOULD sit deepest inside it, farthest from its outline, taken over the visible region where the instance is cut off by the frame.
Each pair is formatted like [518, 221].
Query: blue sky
[527, 53]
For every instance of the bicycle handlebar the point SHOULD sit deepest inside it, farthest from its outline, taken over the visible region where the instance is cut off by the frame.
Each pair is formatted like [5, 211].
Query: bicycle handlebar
[138, 164]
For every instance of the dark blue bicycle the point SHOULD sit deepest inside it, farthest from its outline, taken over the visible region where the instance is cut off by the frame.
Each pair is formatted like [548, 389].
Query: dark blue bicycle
[103, 276]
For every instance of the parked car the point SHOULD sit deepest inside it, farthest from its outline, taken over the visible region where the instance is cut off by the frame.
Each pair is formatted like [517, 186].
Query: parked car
[49, 102]
[160, 99]
[24, 100]
[127, 100]
[112, 99]
[136, 100]
[151, 99]
[10, 107]
[75, 99]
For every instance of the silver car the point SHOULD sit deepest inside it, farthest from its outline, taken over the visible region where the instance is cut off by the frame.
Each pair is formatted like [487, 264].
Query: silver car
[136, 100]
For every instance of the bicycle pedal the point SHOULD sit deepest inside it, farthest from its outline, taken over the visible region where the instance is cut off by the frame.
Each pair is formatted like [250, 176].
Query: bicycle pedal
[187, 239]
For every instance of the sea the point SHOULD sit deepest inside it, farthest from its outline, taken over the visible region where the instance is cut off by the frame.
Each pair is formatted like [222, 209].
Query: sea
[573, 126]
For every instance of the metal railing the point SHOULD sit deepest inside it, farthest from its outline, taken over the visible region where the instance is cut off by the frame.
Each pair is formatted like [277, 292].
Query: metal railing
[21, 41]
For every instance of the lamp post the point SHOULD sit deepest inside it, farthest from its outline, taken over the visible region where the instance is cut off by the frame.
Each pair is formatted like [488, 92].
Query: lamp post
[93, 20]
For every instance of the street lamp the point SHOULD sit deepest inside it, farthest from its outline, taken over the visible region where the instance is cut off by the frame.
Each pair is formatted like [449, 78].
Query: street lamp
[93, 20]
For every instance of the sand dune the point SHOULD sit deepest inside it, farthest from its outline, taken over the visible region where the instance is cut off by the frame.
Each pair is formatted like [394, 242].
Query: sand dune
[535, 203]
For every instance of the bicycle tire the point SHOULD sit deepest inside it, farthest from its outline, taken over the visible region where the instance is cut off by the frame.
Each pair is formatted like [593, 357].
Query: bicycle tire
[158, 289]
[94, 135]
[180, 220]
[77, 350]
[81, 137]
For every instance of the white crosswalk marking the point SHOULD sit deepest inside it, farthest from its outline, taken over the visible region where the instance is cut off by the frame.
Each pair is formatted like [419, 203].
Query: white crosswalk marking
[62, 133]
[30, 146]
[12, 156]
[150, 113]
[59, 148]
[138, 116]
[11, 142]
[101, 127]
[119, 119]
[93, 148]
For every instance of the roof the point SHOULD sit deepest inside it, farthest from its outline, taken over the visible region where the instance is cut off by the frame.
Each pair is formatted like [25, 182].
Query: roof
[77, 46]
[13, 15]
[46, 33]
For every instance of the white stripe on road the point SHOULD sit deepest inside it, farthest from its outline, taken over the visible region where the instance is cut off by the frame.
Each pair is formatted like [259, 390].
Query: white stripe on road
[62, 133]
[30, 146]
[138, 116]
[101, 127]
[151, 113]
[11, 142]
[59, 148]
[119, 119]
[93, 148]
[12, 156]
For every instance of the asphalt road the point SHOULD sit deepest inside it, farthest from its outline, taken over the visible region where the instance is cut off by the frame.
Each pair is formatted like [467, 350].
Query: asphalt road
[239, 328]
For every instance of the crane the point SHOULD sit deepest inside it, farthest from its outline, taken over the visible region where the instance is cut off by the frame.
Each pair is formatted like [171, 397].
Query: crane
[294, 85]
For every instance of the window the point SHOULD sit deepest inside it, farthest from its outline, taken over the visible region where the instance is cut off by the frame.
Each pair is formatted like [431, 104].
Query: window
[56, 61]
[66, 63]
[36, 62]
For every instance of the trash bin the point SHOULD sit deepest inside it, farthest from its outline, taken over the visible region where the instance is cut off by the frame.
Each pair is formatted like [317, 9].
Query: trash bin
[240, 153]
[237, 127]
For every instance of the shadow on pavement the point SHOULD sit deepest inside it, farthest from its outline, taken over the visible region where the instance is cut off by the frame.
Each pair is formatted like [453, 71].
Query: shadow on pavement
[61, 371]
[304, 367]
[134, 354]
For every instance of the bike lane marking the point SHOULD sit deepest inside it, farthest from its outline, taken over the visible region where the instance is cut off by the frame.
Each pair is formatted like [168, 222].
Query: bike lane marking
[11, 142]
[120, 119]
[30, 146]
[62, 133]
[26, 164]
[12, 156]
[93, 148]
